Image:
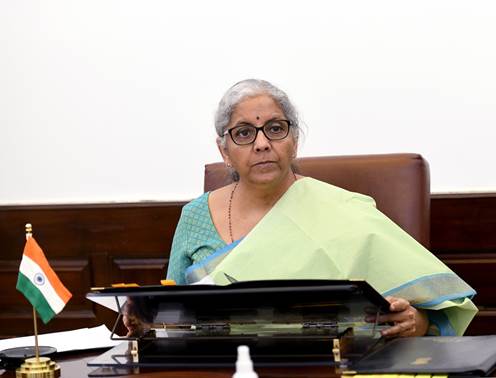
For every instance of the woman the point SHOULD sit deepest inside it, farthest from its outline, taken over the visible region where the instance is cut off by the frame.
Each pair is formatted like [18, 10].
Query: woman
[272, 223]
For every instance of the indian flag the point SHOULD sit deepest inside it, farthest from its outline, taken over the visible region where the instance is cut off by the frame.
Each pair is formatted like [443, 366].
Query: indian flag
[39, 283]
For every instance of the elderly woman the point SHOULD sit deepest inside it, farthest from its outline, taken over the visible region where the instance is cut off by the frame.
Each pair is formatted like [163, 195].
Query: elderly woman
[272, 223]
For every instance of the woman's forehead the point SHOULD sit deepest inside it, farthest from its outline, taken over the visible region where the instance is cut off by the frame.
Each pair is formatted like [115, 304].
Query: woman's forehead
[262, 106]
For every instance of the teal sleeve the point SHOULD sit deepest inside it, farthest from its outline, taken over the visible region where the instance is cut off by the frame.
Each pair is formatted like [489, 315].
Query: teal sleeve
[439, 324]
[179, 259]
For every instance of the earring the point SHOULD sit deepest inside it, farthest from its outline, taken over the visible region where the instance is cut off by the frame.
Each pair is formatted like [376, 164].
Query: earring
[228, 165]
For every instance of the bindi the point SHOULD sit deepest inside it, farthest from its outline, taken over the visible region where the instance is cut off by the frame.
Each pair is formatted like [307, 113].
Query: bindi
[258, 118]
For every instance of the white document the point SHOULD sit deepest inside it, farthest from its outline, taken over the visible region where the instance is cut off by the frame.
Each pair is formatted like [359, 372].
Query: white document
[79, 339]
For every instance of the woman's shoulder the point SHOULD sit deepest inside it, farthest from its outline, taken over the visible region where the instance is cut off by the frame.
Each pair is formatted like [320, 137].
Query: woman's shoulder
[205, 207]
[196, 203]
[196, 209]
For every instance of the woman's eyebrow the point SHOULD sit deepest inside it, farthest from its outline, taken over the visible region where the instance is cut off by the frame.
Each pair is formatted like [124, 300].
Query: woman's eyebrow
[245, 123]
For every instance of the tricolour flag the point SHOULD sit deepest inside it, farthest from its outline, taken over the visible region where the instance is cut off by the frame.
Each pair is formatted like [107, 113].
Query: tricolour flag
[39, 283]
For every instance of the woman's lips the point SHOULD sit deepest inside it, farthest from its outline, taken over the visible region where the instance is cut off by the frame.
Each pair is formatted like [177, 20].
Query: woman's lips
[264, 163]
[264, 167]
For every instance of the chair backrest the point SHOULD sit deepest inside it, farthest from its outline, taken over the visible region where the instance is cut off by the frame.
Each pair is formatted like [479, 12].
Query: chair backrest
[399, 183]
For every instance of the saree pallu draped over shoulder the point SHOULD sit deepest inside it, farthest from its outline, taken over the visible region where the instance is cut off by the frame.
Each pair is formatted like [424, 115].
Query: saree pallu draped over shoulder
[319, 231]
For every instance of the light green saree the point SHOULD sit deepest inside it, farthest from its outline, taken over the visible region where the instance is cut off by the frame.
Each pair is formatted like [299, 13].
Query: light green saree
[318, 231]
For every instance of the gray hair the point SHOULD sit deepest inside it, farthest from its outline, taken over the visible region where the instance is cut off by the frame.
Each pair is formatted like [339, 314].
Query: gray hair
[252, 88]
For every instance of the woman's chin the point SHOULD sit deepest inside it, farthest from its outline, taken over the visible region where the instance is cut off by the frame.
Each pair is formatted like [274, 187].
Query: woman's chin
[265, 177]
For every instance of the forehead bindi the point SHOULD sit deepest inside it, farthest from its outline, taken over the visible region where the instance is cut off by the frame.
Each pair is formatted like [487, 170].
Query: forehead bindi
[260, 108]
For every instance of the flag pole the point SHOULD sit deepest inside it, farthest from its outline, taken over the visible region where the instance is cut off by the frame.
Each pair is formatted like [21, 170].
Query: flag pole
[36, 367]
[36, 347]
[29, 233]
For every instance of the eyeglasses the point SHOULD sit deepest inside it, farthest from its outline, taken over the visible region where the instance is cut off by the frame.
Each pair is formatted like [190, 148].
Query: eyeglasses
[246, 133]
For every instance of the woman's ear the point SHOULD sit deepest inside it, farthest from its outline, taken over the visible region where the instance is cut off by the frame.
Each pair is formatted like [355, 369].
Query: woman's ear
[295, 152]
[295, 146]
[223, 151]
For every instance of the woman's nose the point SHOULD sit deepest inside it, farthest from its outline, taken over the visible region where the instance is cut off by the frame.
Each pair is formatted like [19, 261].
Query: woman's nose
[261, 142]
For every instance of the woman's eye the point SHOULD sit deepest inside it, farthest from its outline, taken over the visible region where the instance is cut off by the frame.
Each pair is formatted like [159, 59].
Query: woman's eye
[244, 132]
[276, 128]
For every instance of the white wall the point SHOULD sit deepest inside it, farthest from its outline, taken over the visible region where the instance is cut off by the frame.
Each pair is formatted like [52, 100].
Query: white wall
[114, 100]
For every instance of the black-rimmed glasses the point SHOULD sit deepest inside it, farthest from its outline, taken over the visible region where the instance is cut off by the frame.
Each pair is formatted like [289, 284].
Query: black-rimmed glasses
[246, 133]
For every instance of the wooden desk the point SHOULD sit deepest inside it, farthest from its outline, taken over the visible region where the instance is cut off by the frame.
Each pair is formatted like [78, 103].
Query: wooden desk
[73, 365]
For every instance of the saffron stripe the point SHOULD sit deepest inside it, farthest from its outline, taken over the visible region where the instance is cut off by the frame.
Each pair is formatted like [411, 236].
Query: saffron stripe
[35, 253]
[29, 269]
[35, 297]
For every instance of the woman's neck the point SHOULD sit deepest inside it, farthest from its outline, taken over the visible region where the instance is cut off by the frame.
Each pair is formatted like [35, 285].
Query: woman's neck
[264, 195]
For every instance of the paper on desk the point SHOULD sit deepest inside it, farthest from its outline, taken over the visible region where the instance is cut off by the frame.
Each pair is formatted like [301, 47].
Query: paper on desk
[78, 339]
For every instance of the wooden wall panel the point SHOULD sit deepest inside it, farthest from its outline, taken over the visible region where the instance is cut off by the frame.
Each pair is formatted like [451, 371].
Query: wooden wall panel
[97, 245]
[483, 324]
[69, 230]
[17, 313]
[479, 271]
[8, 279]
[82, 242]
[139, 270]
[463, 223]
[463, 236]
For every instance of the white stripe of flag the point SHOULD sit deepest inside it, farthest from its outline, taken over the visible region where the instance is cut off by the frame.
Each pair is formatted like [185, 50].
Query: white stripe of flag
[30, 269]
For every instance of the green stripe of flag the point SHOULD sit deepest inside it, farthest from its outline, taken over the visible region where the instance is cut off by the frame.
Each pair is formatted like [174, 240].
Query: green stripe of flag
[35, 297]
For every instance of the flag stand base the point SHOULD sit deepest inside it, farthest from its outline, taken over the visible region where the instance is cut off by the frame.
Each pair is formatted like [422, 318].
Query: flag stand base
[42, 367]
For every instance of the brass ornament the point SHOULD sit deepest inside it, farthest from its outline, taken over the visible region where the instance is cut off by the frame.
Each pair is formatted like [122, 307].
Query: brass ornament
[41, 367]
